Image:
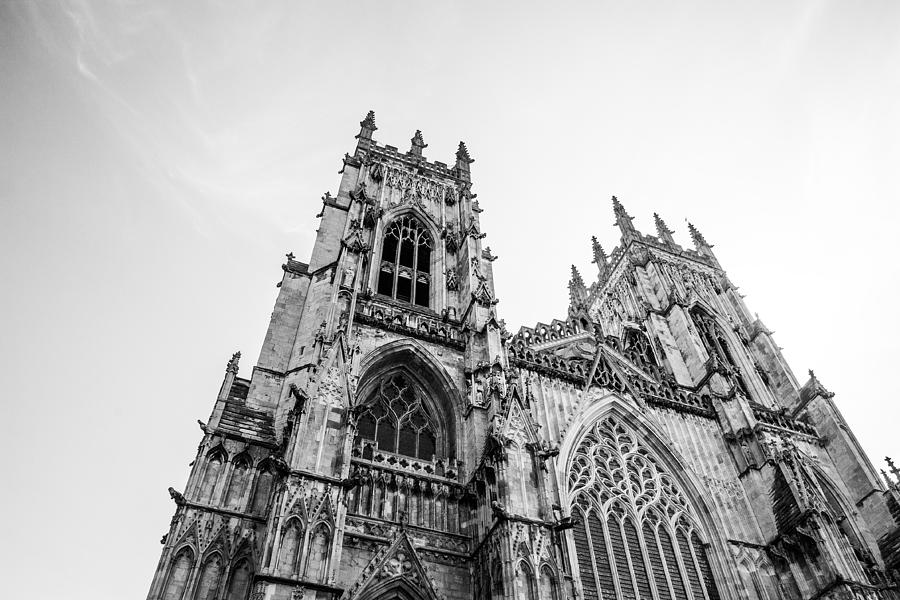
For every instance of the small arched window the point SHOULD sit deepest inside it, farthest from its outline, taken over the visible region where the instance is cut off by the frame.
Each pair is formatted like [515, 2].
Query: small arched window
[210, 574]
[291, 541]
[240, 477]
[319, 548]
[405, 268]
[239, 585]
[262, 489]
[396, 420]
[178, 575]
[215, 464]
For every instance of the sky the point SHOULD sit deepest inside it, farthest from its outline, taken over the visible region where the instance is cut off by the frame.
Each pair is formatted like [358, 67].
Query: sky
[158, 159]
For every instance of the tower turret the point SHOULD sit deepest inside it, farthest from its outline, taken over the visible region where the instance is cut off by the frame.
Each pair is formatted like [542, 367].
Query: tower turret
[366, 129]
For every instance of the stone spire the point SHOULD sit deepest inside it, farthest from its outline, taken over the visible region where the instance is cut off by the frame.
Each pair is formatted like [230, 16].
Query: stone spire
[600, 259]
[577, 289]
[463, 160]
[623, 220]
[418, 144]
[664, 233]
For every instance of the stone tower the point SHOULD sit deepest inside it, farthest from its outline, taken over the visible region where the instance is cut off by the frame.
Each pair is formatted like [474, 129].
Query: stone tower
[394, 441]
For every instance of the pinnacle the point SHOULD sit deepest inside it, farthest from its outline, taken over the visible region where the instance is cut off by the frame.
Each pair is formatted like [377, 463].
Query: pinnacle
[660, 224]
[462, 153]
[576, 276]
[417, 139]
[599, 253]
[698, 238]
[618, 209]
[369, 121]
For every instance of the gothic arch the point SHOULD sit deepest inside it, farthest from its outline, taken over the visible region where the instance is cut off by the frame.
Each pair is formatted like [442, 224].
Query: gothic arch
[397, 588]
[441, 399]
[436, 297]
[705, 519]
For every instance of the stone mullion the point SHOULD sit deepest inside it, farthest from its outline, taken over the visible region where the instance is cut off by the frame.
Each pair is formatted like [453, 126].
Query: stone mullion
[593, 553]
[681, 564]
[648, 566]
[663, 561]
[627, 546]
[697, 569]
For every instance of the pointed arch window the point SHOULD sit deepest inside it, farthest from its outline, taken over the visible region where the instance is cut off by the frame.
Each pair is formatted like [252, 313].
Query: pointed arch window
[289, 553]
[178, 575]
[210, 574]
[237, 486]
[716, 343]
[405, 268]
[239, 583]
[215, 465]
[636, 347]
[396, 420]
[636, 530]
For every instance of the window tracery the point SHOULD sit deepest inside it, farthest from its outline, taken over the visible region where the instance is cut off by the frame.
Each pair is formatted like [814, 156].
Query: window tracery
[405, 268]
[717, 344]
[396, 420]
[637, 532]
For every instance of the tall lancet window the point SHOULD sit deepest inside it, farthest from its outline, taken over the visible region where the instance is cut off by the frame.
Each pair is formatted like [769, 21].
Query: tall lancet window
[637, 536]
[405, 271]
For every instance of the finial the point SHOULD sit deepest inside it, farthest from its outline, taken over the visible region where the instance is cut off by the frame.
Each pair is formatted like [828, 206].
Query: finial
[662, 231]
[894, 470]
[600, 258]
[599, 254]
[233, 363]
[369, 121]
[577, 289]
[623, 220]
[462, 154]
[463, 160]
[699, 240]
[418, 144]
[367, 126]
[290, 255]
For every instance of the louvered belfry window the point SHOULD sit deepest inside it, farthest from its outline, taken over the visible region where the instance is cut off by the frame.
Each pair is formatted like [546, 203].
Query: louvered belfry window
[637, 537]
[405, 269]
[396, 420]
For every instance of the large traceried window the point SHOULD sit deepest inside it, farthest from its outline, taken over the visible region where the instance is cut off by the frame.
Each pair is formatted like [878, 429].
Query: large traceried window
[396, 420]
[637, 536]
[405, 268]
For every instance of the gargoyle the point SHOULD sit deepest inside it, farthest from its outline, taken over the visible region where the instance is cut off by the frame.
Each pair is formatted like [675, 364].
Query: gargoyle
[177, 496]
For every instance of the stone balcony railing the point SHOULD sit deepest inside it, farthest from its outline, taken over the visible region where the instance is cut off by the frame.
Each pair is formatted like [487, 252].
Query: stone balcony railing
[402, 489]
[410, 320]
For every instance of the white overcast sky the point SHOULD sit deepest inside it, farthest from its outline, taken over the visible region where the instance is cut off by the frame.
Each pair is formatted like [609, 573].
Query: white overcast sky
[158, 159]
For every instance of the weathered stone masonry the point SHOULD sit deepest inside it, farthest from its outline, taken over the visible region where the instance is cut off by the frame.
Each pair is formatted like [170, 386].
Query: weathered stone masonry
[394, 440]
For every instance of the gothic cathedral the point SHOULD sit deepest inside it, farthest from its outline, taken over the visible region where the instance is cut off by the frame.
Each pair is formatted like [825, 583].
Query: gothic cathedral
[394, 441]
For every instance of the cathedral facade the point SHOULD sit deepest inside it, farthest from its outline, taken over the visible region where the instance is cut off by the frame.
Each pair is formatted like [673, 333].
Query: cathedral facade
[394, 440]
